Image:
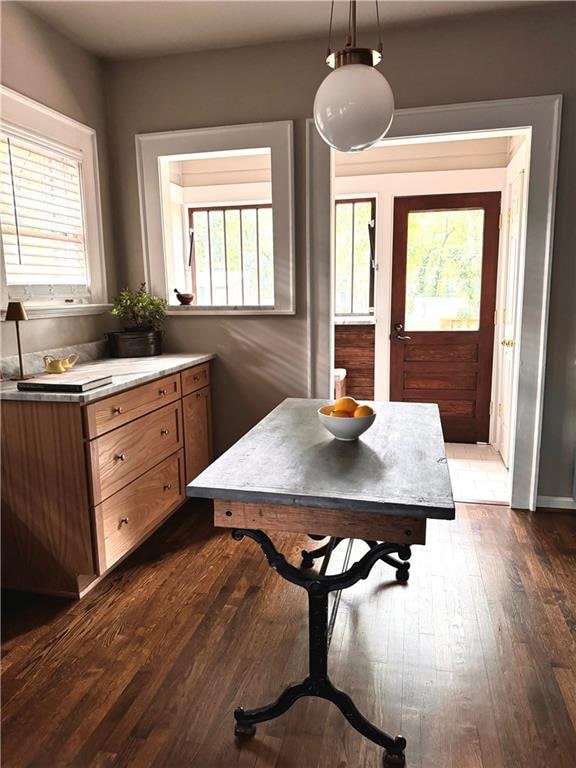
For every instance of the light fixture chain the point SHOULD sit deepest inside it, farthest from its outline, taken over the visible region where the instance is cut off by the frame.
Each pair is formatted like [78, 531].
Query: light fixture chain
[330, 29]
[380, 47]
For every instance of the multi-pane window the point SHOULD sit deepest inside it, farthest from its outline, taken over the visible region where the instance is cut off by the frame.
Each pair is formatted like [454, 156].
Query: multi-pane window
[354, 262]
[232, 256]
[42, 220]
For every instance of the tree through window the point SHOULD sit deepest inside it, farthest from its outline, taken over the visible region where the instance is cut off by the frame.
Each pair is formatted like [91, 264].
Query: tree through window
[354, 260]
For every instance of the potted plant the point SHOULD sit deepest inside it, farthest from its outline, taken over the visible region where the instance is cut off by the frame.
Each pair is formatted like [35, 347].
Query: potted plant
[143, 315]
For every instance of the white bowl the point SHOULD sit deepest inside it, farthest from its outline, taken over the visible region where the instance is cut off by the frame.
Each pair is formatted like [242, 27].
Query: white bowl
[346, 429]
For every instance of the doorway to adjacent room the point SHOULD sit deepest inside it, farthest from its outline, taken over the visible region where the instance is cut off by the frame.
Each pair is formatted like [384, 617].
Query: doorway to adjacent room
[428, 266]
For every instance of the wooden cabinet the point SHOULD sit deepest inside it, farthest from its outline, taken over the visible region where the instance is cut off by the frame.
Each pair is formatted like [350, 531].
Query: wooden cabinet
[197, 410]
[83, 485]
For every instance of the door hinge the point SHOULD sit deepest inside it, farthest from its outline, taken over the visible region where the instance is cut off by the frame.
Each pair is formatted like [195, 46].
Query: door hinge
[500, 410]
[495, 316]
[491, 407]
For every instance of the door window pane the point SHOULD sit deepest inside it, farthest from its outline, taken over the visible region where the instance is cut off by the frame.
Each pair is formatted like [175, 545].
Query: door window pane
[444, 270]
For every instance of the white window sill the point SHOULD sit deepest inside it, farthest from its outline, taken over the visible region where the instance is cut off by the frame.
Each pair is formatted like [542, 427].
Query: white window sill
[190, 311]
[40, 312]
[359, 320]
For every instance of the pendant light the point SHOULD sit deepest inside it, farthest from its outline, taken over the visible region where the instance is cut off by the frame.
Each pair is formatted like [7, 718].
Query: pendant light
[354, 105]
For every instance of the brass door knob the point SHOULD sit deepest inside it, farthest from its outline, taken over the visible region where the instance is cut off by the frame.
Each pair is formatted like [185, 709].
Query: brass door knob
[507, 342]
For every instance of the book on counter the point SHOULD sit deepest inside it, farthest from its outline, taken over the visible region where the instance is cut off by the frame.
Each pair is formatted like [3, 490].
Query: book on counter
[65, 382]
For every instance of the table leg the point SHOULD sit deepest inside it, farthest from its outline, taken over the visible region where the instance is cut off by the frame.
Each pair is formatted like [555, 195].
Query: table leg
[402, 550]
[317, 683]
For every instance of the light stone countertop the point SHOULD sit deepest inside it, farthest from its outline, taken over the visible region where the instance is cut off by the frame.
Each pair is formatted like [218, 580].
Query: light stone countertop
[126, 372]
[397, 467]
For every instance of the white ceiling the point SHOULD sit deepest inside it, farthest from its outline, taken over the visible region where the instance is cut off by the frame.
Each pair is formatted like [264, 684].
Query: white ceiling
[136, 28]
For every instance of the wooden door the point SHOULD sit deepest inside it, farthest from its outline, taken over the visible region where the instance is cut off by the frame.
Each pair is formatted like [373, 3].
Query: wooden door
[445, 260]
[197, 415]
[507, 319]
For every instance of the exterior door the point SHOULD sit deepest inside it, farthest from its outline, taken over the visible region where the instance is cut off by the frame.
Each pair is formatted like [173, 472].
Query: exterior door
[445, 260]
[507, 321]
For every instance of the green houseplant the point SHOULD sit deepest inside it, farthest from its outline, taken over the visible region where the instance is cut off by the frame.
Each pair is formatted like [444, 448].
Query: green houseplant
[143, 315]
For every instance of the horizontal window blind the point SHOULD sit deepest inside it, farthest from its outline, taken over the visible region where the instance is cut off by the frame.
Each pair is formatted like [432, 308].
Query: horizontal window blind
[42, 219]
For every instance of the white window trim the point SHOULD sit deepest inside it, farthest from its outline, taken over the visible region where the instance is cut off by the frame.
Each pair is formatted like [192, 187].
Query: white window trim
[152, 147]
[39, 123]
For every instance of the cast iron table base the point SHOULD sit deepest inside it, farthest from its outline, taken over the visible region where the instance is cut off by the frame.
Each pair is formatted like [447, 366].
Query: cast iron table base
[317, 683]
[403, 551]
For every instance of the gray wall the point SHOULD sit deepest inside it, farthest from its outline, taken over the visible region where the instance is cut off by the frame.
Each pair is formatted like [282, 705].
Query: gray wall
[513, 54]
[261, 360]
[40, 63]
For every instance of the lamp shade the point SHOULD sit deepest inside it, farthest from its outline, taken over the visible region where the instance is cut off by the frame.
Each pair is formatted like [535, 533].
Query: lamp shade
[354, 107]
[15, 311]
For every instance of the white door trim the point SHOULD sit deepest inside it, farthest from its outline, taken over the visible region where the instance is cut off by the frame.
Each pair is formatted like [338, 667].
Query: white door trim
[542, 115]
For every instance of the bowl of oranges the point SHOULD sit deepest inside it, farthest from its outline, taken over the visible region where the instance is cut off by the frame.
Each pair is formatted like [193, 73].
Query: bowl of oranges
[346, 419]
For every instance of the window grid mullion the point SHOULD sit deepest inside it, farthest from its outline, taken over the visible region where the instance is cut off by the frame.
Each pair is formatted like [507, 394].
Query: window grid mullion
[241, 216]
[209, 225]
[225, 256]
[258, 253]
[352, 258]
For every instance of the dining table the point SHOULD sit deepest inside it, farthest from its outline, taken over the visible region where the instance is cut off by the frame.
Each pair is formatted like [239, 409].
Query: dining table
[289, 474]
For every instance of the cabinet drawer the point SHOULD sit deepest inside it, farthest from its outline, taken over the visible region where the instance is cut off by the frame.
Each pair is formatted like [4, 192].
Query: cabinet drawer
[195, 378]
[118, 409]
[128, 516]
[120, 456]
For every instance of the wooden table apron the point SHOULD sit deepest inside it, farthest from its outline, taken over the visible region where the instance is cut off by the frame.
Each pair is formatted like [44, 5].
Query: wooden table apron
[389, 525]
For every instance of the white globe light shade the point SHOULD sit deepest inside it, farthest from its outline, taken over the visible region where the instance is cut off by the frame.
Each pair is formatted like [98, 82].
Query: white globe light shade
[353, 108]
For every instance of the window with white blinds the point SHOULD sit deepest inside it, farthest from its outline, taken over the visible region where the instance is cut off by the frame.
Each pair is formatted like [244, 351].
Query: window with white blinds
[42, 220]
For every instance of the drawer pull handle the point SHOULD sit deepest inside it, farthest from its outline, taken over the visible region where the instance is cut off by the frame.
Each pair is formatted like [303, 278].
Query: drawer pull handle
[196, 377]
[120, 457]
[198, 395]
[164, 432]
[124, 521]
[162, 392]
[117, 409]
[168, 487]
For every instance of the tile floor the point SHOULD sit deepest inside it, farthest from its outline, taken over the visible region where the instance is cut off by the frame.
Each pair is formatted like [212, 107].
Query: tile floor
[478, 473]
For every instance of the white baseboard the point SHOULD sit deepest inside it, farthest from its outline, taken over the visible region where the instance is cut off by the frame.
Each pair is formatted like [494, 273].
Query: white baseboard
[556, 502]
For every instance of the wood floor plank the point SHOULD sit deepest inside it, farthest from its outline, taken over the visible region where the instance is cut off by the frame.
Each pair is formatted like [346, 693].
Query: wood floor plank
[474, 660]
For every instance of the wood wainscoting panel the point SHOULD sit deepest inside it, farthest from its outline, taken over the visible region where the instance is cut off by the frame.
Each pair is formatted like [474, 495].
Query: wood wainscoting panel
[326, 522]
[46, 529]
[354, 351]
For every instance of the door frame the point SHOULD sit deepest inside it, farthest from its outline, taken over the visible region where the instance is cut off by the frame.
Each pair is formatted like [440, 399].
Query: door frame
[542, 115]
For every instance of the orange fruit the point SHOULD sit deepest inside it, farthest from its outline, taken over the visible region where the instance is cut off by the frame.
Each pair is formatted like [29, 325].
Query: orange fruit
[346, 404]
[363, 410]
[342, 414]
[327, 410]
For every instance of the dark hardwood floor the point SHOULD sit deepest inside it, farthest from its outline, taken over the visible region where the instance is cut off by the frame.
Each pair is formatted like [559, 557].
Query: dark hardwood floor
[474, 661]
